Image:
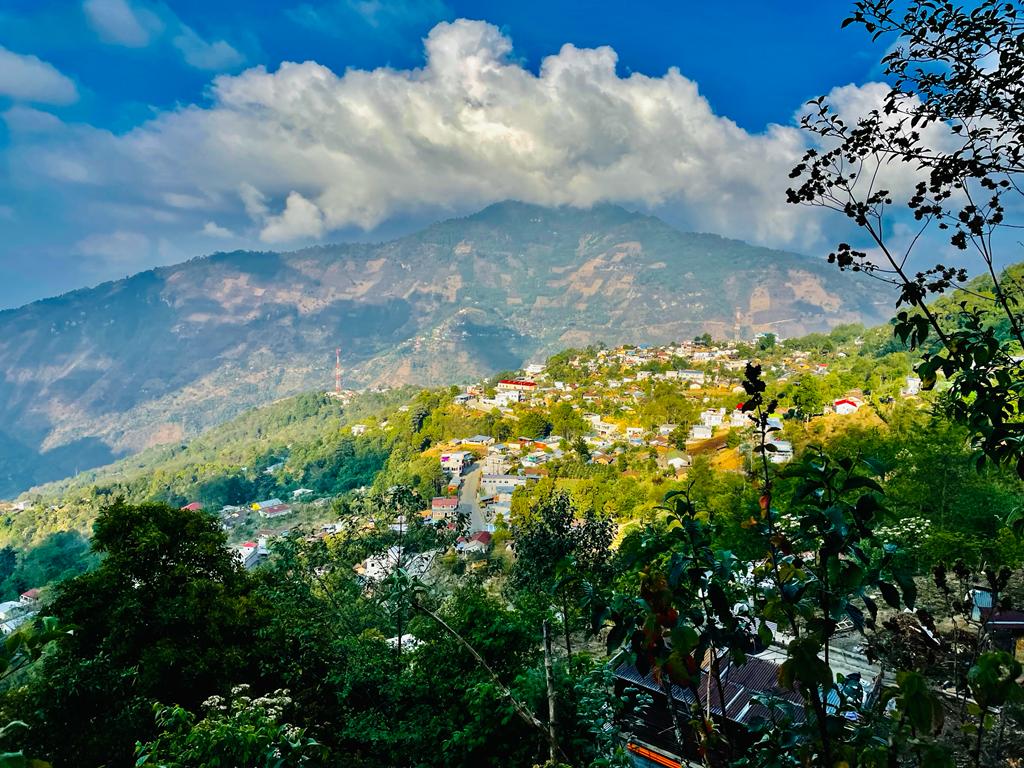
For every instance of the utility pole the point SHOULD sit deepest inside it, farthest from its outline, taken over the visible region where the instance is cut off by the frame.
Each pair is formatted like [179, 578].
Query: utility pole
[337, 371]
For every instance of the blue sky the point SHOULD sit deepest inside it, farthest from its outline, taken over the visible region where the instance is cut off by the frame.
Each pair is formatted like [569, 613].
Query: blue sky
[136, 133]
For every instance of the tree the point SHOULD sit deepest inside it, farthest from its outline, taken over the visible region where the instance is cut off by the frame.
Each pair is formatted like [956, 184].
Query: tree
[534, 424]
[951, 122]
[807, 395]
[169, 614]
[558, 551]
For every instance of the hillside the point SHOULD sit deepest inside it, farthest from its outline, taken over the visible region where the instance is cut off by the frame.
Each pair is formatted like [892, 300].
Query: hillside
[107, 371]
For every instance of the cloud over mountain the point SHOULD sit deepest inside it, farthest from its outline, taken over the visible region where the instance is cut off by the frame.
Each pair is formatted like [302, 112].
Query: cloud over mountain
[288, 156]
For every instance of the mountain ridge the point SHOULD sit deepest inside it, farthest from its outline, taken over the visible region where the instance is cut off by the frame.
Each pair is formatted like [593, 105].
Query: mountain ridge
[101, 372]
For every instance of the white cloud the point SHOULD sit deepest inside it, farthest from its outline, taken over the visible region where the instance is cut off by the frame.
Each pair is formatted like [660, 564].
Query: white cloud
[300, 220]
[213, 229]
[198, 53]
[471, 127]
[137, 24]
[254, 201]
[28, 78]
[120, 23]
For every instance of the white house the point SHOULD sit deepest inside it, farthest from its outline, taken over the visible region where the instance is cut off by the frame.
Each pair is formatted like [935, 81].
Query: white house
[495, 464]
[700, 432]
[783, 452]
[713, 417]
[455, 461]
[844, 406]
[679, 462]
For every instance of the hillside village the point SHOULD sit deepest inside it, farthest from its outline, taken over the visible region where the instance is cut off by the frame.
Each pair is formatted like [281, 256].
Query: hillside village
[665, 405]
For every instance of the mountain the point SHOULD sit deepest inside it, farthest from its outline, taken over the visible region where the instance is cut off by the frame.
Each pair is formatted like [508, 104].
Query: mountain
[102, 372]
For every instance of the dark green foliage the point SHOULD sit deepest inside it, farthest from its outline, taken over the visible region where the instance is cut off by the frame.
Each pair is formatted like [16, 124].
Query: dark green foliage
[168, 615]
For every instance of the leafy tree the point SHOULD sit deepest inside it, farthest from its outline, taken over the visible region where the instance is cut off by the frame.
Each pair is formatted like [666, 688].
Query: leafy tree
[534, 424]
[557, 552]
[807, 395]
[168, 615]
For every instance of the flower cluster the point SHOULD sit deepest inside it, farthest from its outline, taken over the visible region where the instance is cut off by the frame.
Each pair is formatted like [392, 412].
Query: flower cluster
[909, 532]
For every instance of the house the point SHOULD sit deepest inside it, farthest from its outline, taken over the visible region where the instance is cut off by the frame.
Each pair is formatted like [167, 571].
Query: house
[478, 543]
[300, 492]
[358, 429]
[712, 417]
[844, 406]
[443, 508]
[274, 510]
[739, 419]
[461, 399]
[493, 485]
[516, 385]
[479, 440]
[679, 462]
[376, 568]
[11, 608]
[783, 451]
[11, 625]
[913, 386]
[495, 464]
[455, 461]
[30, 597]
[535, 369]
[700, 432]
[692, 376]
[193, 506]
[258, 505]
[249, 554]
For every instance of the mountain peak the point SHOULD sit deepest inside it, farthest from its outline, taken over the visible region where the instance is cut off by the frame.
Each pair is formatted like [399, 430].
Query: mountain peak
[516, 211]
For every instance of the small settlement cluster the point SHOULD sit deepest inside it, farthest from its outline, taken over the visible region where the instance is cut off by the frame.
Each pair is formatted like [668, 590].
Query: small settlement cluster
[670, 403]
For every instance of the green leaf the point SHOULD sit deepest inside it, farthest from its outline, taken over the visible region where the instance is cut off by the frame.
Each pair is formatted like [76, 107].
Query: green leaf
[890, 594]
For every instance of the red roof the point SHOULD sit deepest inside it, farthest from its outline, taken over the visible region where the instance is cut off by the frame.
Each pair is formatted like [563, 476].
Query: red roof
[250, 544]
[444, 502]
[519, 382]
[194, 506]
[484, 537]
[31, 594]
[275, 509]
[847, 401]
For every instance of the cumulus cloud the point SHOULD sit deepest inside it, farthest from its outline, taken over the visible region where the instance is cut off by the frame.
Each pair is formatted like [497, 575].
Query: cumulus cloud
[29, 78]
[120, 23]
[300, 220]
[302, 151]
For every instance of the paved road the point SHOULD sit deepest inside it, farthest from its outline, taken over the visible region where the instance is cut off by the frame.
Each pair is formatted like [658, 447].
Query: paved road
[468, 503]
